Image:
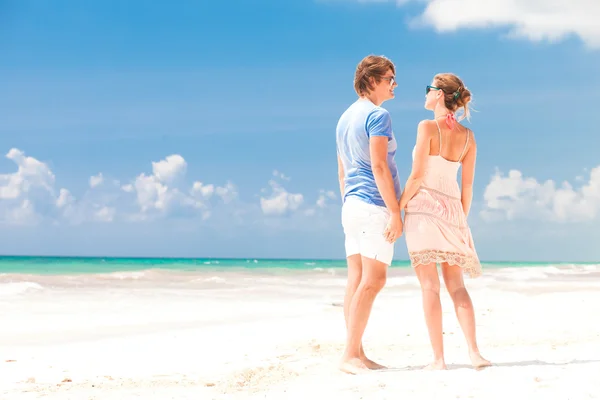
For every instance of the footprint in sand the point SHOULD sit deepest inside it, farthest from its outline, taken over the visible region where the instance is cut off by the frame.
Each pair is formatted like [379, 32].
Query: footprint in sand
[314, 345]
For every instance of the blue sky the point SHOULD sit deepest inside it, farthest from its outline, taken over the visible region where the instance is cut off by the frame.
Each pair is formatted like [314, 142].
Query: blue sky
[244, 97]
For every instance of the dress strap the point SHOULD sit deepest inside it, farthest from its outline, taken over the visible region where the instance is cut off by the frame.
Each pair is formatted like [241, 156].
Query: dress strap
[440, 135]
[466, 144]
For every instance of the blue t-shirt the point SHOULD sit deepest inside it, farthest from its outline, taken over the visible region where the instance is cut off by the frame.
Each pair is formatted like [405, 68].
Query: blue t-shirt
[360, 121]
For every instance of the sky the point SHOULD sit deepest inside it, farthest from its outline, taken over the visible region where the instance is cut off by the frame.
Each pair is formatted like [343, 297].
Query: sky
[207, 129]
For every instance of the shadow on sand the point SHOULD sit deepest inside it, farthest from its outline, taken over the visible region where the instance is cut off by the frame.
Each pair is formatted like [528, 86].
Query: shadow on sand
[498, 364]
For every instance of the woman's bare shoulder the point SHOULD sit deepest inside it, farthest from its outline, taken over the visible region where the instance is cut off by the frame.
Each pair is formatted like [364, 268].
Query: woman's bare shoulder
[428, 127]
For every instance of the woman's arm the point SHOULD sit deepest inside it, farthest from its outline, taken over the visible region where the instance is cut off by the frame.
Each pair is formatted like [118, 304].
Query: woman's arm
[419, 163]
[468, 175]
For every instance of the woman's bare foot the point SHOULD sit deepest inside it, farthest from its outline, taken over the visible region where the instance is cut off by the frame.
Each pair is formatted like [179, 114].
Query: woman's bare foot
[353, 366]
[437, 365]
[477, 361]
[371, 364]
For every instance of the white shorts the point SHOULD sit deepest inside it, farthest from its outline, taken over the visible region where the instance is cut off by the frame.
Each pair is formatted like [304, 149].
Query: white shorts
[364, 225]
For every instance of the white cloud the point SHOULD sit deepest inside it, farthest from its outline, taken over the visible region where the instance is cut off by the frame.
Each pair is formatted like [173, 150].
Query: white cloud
[96, 180]
[280, 201]
[128, 188]
[163, 194]
[151, 193]
[202, 189]
[280, 175]
[170, 168]
[24, 213]
[228, 192]
[30, 174]
[515, 196]
[28, 191]
[324, 200]
[536, 20]
[105, 214]
[325, 196]
[155, 194]
[64, 198]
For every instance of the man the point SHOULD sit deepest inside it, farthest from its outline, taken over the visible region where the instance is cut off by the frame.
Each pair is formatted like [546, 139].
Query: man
[370, 189]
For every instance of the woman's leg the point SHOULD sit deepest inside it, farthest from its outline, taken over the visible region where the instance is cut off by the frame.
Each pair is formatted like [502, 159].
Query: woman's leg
[463, 306]
[430, 288]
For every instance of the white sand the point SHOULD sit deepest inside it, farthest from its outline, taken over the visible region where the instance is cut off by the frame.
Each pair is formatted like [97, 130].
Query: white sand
[281, 338]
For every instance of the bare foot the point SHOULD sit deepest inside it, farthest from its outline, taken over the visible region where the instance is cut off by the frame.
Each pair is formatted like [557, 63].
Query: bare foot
[353, 366]
[478, 361]
[371, 364]
[437, 365]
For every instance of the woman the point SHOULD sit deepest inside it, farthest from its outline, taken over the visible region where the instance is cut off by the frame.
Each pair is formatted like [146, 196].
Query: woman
[436, 211]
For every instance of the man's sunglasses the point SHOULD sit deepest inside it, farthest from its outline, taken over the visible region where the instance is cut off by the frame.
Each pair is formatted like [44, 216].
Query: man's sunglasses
[390, 79]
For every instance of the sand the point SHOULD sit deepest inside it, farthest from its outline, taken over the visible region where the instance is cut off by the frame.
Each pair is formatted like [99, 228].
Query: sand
[281, 337]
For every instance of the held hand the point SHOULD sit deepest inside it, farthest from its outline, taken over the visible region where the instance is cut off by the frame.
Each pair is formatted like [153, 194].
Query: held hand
[394, 228]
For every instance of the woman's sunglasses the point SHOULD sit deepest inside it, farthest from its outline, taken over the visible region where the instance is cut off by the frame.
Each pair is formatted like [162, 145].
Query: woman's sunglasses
[430, 88]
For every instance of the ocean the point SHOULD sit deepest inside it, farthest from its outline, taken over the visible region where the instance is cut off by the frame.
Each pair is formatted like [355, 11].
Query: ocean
[40, 265]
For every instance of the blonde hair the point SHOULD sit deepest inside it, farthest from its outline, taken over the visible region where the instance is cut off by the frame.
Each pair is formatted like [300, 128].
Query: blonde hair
[456, 94]
[371, 67]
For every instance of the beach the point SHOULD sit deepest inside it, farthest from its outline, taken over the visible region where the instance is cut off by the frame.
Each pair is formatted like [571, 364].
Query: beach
[277, 333]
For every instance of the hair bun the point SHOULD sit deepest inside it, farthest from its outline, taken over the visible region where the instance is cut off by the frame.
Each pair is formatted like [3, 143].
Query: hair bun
[456, 94]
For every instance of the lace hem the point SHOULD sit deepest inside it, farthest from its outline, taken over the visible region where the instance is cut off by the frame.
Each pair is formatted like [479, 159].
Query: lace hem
[469, 264]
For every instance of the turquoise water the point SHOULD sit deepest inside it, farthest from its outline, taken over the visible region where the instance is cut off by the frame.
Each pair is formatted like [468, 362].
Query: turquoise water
[91, 265]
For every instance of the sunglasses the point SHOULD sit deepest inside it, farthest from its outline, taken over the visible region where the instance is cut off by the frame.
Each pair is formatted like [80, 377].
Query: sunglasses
[430, 88]
[390, 79]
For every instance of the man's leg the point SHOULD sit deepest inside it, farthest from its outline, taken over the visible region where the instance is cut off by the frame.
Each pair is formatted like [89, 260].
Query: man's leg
[354, 278]
[373, 280]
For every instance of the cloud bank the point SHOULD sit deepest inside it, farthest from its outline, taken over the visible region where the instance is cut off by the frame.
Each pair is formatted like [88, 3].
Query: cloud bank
[30, 196]
[514, 196]
[535, 20]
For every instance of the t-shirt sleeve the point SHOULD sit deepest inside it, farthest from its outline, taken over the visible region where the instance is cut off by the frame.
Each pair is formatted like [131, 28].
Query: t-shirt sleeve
[379, 123]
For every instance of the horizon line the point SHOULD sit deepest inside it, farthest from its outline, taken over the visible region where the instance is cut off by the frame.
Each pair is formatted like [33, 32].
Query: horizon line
[259, 258]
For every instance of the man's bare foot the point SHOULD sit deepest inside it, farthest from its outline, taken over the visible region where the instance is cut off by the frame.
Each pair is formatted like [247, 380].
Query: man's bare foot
[437, 365]
[353, 366]
[479, 362]
[371, 364]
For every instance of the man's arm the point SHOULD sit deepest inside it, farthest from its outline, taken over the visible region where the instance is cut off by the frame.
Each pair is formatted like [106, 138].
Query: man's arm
[341, 176]
[379, 129]
[381, 172]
